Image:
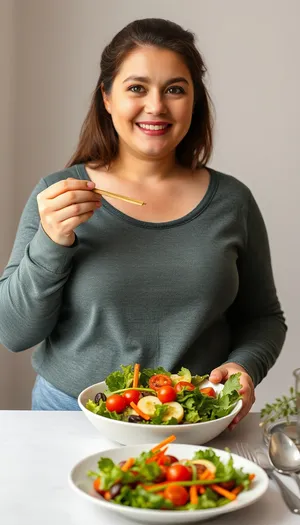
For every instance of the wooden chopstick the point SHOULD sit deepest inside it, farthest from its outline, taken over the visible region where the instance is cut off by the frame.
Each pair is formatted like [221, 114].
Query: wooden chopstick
[118, 196]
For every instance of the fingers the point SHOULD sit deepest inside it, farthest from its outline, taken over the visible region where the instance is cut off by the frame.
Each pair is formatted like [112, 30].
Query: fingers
[65, 205]
[218, 375]
[75, 210]
[248, 399]
[67, 185]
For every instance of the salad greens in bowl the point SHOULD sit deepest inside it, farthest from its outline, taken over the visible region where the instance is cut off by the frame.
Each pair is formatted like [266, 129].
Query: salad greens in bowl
[167, 483]
[136, 405]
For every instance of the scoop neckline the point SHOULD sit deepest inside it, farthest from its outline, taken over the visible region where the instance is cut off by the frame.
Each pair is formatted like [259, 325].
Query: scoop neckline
[195, 212]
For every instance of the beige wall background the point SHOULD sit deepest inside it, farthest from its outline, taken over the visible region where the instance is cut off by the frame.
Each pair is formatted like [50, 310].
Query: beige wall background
[49, 56]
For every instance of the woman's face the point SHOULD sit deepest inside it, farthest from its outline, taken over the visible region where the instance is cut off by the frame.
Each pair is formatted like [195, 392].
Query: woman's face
[151, 102]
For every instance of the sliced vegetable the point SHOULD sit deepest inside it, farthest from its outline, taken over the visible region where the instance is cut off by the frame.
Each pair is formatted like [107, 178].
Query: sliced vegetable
[208, 391]
[136, 373]
[223, 492]
[159, 380]
[147, 404]
[194, 495]
[184, 384]
[207, 464]
[174, 410]
[139, 411]
[183, 375]
[163, 443]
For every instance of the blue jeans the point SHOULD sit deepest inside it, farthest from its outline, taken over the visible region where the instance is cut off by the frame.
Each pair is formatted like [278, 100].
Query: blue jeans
[46, 397]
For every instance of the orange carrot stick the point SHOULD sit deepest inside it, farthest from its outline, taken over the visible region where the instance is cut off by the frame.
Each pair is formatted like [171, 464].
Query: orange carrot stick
[193, 495]
[128, 463]
[206, 475]
[139, 412]
[223, 492]
[136, 373]
[251, 477]
[201, 489]
[237, 489]
[163, 443]
[156, 457]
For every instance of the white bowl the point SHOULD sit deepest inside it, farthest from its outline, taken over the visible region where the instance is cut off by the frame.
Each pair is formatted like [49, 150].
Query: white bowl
[134, 433]
[83, 486]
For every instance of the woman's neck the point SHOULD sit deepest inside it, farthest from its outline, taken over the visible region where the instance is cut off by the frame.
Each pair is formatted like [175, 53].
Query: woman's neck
[130, 168]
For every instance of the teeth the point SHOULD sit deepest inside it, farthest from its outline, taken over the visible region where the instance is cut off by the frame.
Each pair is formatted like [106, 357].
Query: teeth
[153, 128]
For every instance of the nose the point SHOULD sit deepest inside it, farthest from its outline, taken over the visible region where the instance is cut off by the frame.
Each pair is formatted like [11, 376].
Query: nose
[155, 104]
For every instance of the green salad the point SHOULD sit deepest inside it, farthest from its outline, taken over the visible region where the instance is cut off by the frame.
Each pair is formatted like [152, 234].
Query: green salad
[157, 397]
[157, 480]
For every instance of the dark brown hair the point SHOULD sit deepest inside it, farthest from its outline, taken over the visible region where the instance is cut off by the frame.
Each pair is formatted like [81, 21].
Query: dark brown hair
[98, 141]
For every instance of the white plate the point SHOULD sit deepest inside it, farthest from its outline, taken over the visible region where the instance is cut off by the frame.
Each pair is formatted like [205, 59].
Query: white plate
[83, 486]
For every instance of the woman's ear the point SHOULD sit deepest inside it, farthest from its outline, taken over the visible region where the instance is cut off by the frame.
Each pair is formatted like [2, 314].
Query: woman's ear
[106, 100]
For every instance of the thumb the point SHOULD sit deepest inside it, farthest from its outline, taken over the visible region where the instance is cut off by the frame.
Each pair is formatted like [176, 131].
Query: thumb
[218, 374]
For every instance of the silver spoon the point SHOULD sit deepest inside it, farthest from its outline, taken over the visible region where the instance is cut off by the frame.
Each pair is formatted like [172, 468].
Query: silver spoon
[284, 455]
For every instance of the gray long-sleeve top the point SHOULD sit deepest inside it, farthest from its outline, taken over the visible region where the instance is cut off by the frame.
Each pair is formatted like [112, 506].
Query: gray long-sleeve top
[193, 292]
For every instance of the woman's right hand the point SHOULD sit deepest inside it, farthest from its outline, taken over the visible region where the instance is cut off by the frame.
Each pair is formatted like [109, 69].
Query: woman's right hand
[65, 205]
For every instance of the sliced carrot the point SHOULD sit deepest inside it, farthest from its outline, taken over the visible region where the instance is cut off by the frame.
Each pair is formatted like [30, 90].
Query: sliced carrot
[163, 443]
[193, 495]
[107, 495]
[201, 489]
[139, 412]
[128, 463]
[207, 474]
[136, 373]
[237, 489]
[223, 492]
[156, 457]
[96, 484]
[251, 477]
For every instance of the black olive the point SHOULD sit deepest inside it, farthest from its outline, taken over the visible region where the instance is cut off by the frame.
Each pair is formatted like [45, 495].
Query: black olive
[144, 394]
[121, 463]
[115, 490]
[135, 419]
[99, 396]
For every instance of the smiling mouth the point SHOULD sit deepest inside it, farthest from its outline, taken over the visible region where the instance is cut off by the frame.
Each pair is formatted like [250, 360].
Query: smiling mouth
[154, 130]
[153, 127]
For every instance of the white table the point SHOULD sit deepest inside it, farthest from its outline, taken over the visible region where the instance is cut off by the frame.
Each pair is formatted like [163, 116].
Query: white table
[38, 450]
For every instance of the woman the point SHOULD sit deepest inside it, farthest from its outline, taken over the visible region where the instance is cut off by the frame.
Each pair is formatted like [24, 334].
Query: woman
[185, 280]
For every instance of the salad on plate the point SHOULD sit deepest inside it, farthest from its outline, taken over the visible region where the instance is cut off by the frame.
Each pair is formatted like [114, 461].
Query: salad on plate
[158, 397]
[157, 480]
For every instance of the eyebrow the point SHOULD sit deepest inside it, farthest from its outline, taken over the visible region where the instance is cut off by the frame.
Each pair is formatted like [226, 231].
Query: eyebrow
[147, 80]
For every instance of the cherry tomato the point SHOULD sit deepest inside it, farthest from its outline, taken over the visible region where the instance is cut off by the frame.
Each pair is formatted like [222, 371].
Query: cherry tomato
[131, 395]
[115, 403]
[176, 494]
[163, 474]
[208, 391]
[168, 460]
[178, 472]
[166, 394]
[184, 384]
[159, 380]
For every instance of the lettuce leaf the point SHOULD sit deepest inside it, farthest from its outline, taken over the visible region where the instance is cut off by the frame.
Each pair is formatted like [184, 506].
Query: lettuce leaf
[120, 379]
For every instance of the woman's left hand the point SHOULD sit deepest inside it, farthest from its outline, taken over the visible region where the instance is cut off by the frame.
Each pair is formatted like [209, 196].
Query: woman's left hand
[222, 373]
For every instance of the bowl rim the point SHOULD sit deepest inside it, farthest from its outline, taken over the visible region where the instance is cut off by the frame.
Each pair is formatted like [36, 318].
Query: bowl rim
[186, 426]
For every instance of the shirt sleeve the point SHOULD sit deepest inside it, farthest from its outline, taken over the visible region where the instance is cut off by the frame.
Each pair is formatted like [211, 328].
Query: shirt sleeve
[32, 283]
[256, 318]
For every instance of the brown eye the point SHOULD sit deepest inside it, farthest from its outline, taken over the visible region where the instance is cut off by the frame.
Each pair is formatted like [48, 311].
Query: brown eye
[136, 89]
[175, 90]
